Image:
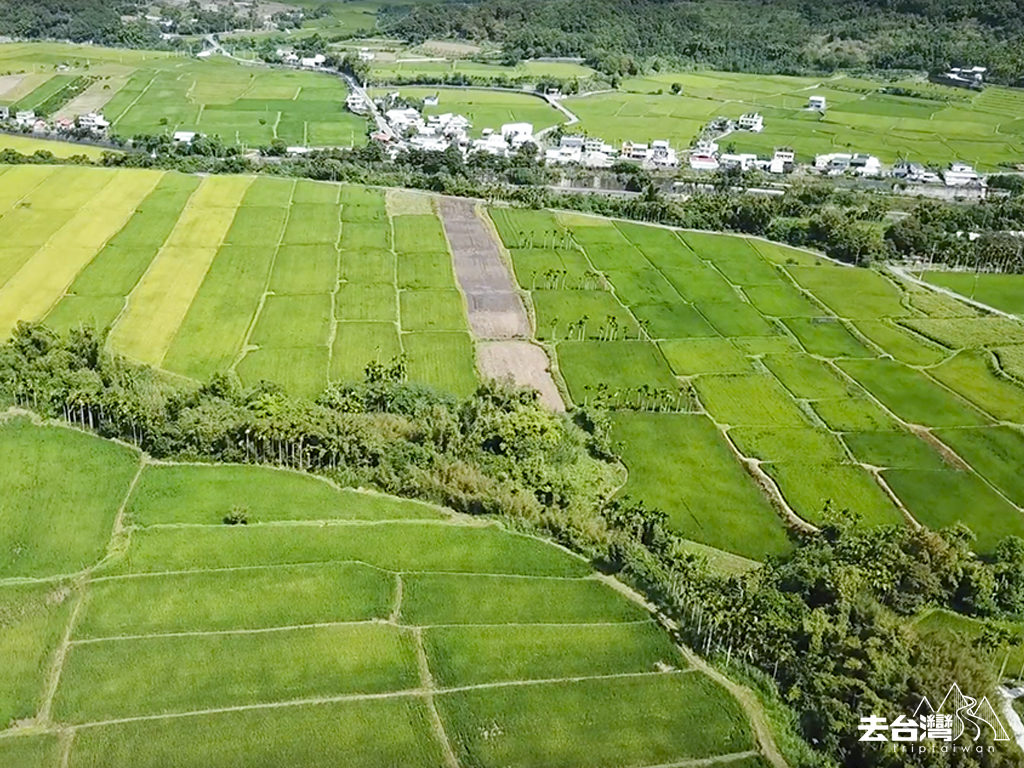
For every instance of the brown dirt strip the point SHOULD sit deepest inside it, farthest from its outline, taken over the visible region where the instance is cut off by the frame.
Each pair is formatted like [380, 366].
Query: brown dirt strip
[496, 312]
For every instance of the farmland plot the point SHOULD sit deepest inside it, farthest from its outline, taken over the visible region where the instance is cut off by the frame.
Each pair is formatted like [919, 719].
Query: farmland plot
[809, 366]
[422, 630]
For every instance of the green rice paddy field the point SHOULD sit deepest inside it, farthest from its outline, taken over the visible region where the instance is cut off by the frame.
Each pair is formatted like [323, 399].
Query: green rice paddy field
[937, 125]
[804, 382]
[338, 624]
[294, 282]
[156, 93]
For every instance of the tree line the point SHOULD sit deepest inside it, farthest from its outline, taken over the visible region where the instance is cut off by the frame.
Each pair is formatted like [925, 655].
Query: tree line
[827, 627]
[627, 37]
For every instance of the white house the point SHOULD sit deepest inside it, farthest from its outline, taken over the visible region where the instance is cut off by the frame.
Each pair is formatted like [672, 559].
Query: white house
[365, 54]
[752, 121]
[816, 103]
[597, 159]
[183, 137]
[960, 175]
[25, 117]
[744, 161]
[635, 151]
[357, 103]
[563, 155]
[703, 161]
[833, 162]
[312, 62]
[662, 155]
[865, 165]
[403, 119]
[5, 112]
[904, 169]
[94, 121]
[205, 54]
[431, 101]
[782, 161]
[517, 134]
[492, 144]
[572, 142]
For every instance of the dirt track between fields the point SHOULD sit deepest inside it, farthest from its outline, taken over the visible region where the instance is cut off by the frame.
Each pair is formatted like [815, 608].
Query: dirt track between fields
[497, 316]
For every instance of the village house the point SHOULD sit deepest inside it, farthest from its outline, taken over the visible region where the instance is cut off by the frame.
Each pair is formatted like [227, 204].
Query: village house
[94, 122]
[431, 101]
[518, 134]
[816, 103]
[25, 117]
[183, 137]
[961, 175]
[752, 121]
[357, 104]
[743, 162]
[783, 161]
[662, 155]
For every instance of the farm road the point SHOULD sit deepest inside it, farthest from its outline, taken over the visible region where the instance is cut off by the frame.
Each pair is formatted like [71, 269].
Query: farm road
[496, 312]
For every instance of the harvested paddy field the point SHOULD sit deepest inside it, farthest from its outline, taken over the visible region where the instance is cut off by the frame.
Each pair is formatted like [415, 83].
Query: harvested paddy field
[753, 385]
[295, 282]
[148, 92]
[390, 631]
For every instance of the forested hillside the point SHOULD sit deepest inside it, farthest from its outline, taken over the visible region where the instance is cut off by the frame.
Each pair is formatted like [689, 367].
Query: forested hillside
[792, 36]
[94, 21]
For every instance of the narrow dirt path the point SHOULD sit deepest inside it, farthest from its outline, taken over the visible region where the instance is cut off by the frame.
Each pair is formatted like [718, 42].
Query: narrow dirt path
[497, 316]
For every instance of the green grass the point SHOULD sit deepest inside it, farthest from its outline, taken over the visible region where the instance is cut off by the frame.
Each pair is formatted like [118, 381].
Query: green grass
[358, 344]
[407, 546]
[274, 597]
[32, 620]
[475, 655]
[806, 444]
[940, 622]
[809, 485]
[861, 294]
[40, 751]
[827, 337]
[749, 400]
[936, 499]
[440, 309]
[807, 377]
[903, 345]
[620, 365]
[911, 395]
[301, 371]
[994, 452]
[894, 450]
[733, 318]
[971, 374]
[365, 267]
[213, 330]
[688, 357]
[293, 321]
[312, 223]
[226, 670]
[418, 232]
[309, 736]
[558, 724]
[1005, 292]
[462, 599]
[73, 484]
[206, 494]
[304, 269]
[374, 302]
[442, 359]
[557, 310]
[781, 300]
[718, 504]
[851, 414]
[425, 269]
[964, 332]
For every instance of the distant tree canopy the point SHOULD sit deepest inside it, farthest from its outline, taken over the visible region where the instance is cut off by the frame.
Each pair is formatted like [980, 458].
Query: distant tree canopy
[625, 36]
[96, 21]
